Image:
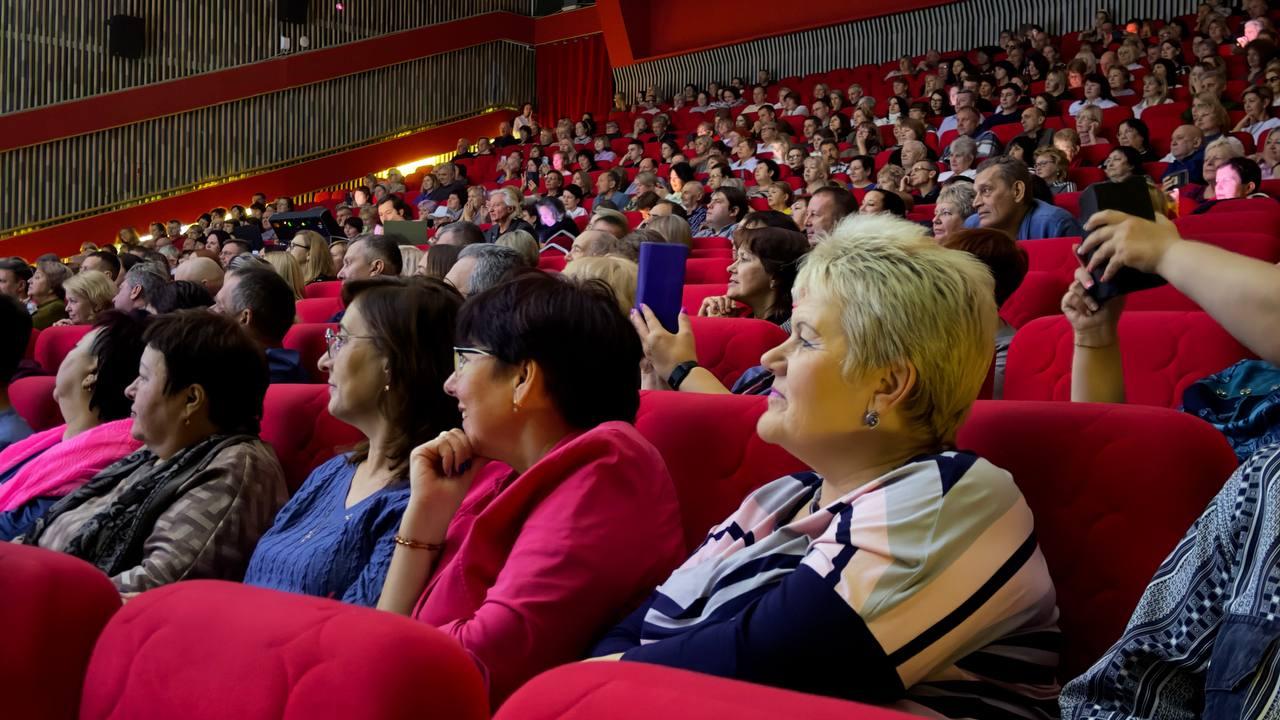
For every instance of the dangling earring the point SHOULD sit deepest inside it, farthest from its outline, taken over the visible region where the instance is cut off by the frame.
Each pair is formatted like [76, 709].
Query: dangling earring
[871, 419]
[386, 388]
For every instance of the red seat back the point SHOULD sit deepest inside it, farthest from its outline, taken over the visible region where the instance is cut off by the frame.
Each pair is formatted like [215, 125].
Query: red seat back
[1197, 227]
[729, 347]
[308, 340]
[695, 293]
[700, 243]
[551, 261]
[1159, 299]
[1069, 201]
[1052, 255]
[277, 655]
[1163, 353]
[55, 342]
[297, 424]
[55, 606]
[706, 270]
[1039, 295]
[32, 397]
[327, 288]
[318, 310]
[30, 353]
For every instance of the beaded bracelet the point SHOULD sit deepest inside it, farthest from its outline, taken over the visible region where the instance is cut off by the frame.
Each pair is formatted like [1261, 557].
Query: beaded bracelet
[434, 547]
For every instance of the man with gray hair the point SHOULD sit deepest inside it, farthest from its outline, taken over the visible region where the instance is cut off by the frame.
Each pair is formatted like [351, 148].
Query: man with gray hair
[142, 285]
[481, 267]
[447, 175]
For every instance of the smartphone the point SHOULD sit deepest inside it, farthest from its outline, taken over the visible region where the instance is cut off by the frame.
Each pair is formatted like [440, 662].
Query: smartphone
[661, 281]
[1176, 180]
[1130, 197]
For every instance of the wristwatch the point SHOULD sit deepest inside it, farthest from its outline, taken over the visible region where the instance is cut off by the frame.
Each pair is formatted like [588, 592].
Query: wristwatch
[681, 372]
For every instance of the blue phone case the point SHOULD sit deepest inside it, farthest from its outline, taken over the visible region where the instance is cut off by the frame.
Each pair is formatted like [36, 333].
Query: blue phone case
[661, 281]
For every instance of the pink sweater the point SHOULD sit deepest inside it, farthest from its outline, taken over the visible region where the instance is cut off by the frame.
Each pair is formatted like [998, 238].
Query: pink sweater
[62, 465]
[538, 566]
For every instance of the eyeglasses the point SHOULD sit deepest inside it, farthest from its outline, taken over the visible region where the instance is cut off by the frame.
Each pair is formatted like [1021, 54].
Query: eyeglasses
[335, 341]
[460, 354]
[299, 245]
[1273, 78]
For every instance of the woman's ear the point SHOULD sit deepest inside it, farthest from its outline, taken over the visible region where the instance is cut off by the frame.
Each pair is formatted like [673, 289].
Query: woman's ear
[896, 383]
[196, 399]
[527, 384]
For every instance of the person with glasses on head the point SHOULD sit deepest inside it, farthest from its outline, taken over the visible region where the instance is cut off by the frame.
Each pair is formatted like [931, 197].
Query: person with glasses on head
[387, 364]
[311, 251]
[522, 538]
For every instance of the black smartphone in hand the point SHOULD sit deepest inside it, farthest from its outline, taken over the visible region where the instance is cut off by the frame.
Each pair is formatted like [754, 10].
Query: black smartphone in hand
[1131, 197]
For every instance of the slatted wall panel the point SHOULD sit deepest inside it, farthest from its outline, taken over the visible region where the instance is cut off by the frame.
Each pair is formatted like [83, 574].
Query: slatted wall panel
[75, 175]
[56, 50]
[958, 26]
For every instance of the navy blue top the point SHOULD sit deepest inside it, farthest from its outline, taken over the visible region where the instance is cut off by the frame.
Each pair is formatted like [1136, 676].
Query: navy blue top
[285, 366]
[319, 546]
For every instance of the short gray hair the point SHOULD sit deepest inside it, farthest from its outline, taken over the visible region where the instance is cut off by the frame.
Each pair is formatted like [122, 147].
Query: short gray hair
[964, 146]
[149, 277]
[493, 264]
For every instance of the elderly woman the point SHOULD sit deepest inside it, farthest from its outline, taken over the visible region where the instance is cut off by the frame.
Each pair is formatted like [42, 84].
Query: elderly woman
[1123, 163]
[619, 273]
[87, 294]
[1209, 116]
[1051, 164]
[193, 502]
[1155, 91]
[311, 250]
[520, 538]
[37, 472]
[1089, 126]
[760, 278]
[1134, 133]
[891, 343]
[387, 364]
[46, 293]
[953, 207]
[962, 159]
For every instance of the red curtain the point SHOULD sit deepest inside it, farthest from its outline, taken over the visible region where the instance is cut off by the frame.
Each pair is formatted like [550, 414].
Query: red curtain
[573, 77]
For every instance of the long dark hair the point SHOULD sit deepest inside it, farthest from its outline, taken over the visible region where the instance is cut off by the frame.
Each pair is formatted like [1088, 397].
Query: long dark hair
[779, 251]
[411, 321]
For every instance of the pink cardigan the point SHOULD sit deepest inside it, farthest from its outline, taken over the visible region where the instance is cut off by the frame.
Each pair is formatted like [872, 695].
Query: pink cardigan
[63, 465]
[539, 566]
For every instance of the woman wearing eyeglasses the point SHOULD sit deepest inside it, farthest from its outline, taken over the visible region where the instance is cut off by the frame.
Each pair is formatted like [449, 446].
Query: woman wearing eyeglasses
[532, 527]
[387, 365]
[311, 251]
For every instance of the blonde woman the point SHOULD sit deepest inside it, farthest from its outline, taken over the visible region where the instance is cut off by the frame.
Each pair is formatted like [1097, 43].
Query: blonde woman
[620, 274]
[88, 294]
[1155, 91]
[673, 229]
[287, 268]
[311, 251]
[524, 243]
[410, 256]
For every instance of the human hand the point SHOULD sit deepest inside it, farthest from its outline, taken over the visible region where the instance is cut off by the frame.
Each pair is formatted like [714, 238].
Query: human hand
[62, 323]
[717, 306]
[443, 468]
[1121, 240]
[1094, 325]
[662, 348]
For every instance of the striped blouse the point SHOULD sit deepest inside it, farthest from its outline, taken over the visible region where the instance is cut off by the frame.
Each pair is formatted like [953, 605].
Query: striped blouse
[924, 588]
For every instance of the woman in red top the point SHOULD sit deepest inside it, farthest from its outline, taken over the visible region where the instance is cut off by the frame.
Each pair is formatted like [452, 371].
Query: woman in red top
[546, 516]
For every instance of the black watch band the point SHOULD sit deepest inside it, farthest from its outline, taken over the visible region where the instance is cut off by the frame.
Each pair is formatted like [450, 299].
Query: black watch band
[681, 372]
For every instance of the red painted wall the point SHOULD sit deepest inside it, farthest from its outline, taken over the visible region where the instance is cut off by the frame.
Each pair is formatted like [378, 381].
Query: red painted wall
[65, 239]
[636, 32]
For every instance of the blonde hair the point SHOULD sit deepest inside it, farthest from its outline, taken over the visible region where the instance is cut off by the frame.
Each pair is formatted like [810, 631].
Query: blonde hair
[95, 287]
[620, 274]
[1092, 112]
[1214, 106]
[522, 242]
[319, 261]
[903, 298]
[287, 268]
[673, 229]
[409, 257]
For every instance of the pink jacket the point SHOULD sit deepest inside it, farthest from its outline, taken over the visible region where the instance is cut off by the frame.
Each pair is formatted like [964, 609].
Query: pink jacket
[537, 567]
[62, 465]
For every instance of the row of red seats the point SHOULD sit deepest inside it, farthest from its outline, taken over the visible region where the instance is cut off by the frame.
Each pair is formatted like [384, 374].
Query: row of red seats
[1086, 471]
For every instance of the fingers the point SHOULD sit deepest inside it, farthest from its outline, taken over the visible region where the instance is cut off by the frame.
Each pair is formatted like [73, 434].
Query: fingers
[684, 324]
[652, 320]
[1104, 217]
[455, 452]
[639, 323]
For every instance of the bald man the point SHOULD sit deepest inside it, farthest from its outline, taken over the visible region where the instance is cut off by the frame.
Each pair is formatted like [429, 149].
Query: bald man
[203, 271]
[589, 243]
[1186, 154]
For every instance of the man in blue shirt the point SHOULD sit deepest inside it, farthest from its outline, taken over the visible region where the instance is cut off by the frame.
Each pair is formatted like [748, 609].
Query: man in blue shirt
[15, 328]
[1186, 154]
[1003, 201]
[261, 300]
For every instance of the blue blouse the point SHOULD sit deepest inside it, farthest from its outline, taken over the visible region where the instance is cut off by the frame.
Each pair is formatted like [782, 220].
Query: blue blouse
[319, 546]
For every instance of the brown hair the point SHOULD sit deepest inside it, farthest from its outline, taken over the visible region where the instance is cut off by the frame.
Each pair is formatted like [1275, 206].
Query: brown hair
[780, 251]
[1006, 259]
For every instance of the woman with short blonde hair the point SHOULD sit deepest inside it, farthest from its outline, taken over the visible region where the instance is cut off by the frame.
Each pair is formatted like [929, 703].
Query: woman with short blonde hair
[620, 274]
[672, 229]
[522, 242]
[287, 268]
[88, 294]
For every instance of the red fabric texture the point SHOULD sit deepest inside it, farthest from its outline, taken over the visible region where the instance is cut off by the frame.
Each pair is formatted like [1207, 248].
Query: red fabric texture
[55, 342]
[1040, 294]
[695, 293]
[729, 347]
[573, 77]
[318, 310]
[638, 691]
[32, 397]
[206, 650]
[297, 424]
[54, 607]
[1163, 353]
[327, 288]
[308, 340]
[699, 271]
[537, 567]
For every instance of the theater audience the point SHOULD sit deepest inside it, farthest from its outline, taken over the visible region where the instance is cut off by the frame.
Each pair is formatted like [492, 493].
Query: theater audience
[142, 285]
[1007, 262]
[311, 251]
[100, 260]
[45, 294]
[891, 342]
[523, 243]
[520, 538]
[203, 272]
[15, 327]
[826, 208]
[387, 365]
[438, 260]
[287, 268]
[1185, 158]
[480, 267]
[35, 473]
[262, 302]
[370, 256]
[1051, 165]
[552, 220]
[89, 293]
[954, 206]
[504, 204]
[1003, 201]
[619, 273]
[193, 502]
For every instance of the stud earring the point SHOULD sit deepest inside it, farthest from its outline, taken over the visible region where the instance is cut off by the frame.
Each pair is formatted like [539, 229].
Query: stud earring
[871, 419]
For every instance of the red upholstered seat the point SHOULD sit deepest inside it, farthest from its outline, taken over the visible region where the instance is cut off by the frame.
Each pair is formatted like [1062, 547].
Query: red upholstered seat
[297, 424]
[32, 397]
[1085, 176]
[1039, 295]
[30, 354]
[1198, 227]
[638, 691]
[328, 288]
[318, 310]
[1164, 297]
[202, 650]
[1163, 353]
[1069, 202]
[1053, 255]
[700, 243]
[308, 340]
[706, 270]
[54, 608]
[729, 347]
[55, 342]
[551, 261]
[695, 293]
[712, 253]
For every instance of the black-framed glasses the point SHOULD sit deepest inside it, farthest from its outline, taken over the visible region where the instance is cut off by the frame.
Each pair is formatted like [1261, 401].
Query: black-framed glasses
[335, 341]
[460, 356]
[299, 245]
